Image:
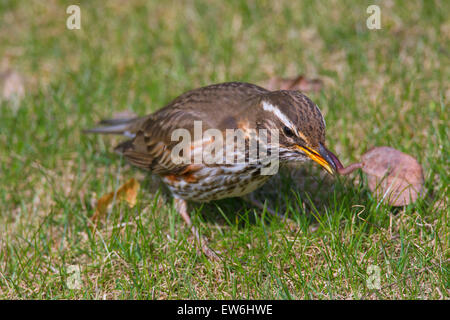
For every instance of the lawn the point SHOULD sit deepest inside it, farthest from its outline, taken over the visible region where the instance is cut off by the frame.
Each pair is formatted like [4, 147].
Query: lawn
[380, 87]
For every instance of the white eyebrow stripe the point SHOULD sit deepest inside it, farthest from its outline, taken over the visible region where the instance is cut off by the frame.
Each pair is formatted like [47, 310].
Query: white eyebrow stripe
[280, 115]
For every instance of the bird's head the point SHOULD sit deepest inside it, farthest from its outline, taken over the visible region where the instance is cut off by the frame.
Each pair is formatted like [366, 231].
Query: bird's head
[301, 128]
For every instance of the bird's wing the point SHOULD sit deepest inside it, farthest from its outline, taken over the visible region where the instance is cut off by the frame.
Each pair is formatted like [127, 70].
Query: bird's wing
[152, 144]
[213, 105]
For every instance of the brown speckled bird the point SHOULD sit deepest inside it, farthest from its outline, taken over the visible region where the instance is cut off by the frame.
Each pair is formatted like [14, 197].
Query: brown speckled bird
[233, 105]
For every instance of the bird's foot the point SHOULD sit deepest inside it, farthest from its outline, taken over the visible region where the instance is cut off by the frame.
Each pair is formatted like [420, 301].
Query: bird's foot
[203, 242]
[181, 207]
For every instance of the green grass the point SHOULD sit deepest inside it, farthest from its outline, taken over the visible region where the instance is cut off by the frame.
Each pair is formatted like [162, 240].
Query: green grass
[381, 87]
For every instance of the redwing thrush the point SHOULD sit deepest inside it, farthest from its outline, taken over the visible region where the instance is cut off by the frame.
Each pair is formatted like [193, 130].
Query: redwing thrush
[298, 121]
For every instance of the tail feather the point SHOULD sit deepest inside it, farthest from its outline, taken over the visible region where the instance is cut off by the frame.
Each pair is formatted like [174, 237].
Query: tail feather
[114, 129]
[117, 121]
[114, 126]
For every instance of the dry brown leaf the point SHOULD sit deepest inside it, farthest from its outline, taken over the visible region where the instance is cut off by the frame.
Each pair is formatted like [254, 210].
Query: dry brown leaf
[393, 176]
[128, 192]
[11, 85]
[300, 83]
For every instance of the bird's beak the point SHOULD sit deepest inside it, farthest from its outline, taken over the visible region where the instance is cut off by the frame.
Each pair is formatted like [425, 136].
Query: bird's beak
[324, 157]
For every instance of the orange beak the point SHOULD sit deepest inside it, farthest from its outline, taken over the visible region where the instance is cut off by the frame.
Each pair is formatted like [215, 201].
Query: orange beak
[324, 157]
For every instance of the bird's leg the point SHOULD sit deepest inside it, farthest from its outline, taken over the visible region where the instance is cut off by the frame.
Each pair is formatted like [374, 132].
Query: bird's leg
[181, 207]
[251, 199]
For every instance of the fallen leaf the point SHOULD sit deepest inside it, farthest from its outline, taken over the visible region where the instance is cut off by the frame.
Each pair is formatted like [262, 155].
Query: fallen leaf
[300, 83]
[128, 192]
[11, 85]
[393, 176]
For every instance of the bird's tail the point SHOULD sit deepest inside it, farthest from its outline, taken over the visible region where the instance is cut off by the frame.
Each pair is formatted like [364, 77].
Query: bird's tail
[120, 125]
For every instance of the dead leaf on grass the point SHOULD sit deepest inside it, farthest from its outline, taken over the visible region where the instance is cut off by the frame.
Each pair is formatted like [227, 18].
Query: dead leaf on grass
[11, 85]
[300, 83]
[127, 192]
[394, 177]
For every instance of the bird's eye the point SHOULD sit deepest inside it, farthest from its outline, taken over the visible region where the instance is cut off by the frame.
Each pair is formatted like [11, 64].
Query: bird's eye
[288, 132]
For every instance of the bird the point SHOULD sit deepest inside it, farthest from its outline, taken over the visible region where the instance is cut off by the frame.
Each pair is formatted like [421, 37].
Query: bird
[297, 123]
